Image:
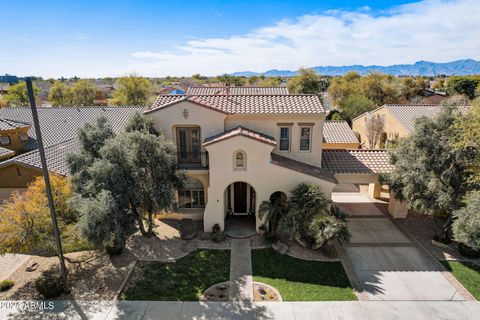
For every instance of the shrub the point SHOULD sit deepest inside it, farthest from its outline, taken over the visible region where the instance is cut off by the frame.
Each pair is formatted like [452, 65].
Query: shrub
[5, 285]
[466, 227]
[217, 234]
[50, 284]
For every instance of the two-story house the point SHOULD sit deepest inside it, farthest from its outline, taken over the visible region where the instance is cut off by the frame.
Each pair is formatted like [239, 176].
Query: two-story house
[240, 150]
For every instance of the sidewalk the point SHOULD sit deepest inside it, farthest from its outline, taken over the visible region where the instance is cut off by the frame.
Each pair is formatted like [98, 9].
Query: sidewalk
[354, 310]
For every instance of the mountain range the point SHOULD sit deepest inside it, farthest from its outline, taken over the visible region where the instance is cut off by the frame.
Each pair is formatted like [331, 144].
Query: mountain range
[419, 68]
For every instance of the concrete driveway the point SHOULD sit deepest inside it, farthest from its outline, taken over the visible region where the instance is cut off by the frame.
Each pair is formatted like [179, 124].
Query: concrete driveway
[384, 260]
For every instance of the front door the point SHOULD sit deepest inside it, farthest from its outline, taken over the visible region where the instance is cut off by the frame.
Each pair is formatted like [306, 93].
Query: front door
[188, 145]
[240, 194]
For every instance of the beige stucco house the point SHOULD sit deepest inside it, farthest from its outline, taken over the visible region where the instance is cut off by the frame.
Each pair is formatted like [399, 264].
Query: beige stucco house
[399, 121]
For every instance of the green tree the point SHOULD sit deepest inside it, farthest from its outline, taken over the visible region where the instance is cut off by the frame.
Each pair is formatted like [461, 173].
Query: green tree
[343, 87]
[83, 93]
[229, 80]
[466, 136]
[430, 175]
[466, 85]
[60, 95]
[271, 212]
[306, 81]
[466, 227]
[337, 115]
[137, 171]
[132, 91]
[411, 88]
[310, 221]
[380, 88]
[356, 105]
[17, 95]
[269, 82]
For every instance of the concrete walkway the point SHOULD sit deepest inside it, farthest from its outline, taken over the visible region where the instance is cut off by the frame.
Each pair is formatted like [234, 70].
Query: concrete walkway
[10, 262]
[387, 264]
[143, 310]
[241, 283]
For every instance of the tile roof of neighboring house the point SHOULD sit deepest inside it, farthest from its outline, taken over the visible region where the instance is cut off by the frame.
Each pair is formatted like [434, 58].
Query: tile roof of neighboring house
[247, 90]
[4, 152]
[59, 131]
[55, 154]
[248, 104]
[7, 124]
[302, 168]
[356, 161]
[338, 132]
[60, 124]
[407, 114]
[240, 131]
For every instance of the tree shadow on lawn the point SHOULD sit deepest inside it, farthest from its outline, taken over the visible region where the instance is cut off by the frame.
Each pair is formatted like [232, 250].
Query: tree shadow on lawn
[301, 280]
[182, 280]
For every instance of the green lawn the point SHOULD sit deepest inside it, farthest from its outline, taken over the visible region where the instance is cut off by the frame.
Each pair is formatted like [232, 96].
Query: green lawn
[468, 275]
[183, 280]
[301, 280]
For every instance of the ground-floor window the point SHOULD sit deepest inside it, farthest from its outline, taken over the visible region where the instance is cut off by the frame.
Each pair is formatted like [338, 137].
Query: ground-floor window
[192, 195]
[191, 198]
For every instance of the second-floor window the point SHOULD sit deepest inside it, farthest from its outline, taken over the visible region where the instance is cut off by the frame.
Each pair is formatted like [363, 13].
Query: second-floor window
[188, 145]
[284, 139]
[305, 138]
[5, 140]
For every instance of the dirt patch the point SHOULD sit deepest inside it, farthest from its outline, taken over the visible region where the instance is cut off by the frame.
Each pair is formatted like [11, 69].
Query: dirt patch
[423, 228]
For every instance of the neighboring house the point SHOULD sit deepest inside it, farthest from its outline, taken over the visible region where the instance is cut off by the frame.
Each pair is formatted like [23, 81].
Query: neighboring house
[399, 121]
[59, 131]
[339, 135]
[247, 90]
[240, 150]
[100, 98]
[434, 97]
[13, 134]
[177, 91]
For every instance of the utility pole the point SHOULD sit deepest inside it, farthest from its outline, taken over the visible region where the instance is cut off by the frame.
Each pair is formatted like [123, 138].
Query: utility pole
[48, 188]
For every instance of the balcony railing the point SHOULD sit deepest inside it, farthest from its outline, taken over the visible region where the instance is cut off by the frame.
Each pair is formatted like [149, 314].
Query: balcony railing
[192, 160]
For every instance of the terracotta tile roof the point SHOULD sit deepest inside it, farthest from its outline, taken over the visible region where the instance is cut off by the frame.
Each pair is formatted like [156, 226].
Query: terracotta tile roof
[338, 132]
[7, 124]
[302, 168]
[56, 157]
[4, 152]
[249, 104]
[60, 124]
[356, 161]
[406, 114]
[247, 90]
[240, 131]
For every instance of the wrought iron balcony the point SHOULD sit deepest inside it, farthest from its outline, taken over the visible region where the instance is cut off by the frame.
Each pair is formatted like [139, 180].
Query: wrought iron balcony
[192, 160]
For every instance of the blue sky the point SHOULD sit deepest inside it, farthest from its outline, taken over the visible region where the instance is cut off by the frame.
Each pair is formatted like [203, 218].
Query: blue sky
[155, 38]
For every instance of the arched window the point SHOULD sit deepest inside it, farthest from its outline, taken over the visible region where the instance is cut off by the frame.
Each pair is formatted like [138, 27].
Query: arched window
[240, 161]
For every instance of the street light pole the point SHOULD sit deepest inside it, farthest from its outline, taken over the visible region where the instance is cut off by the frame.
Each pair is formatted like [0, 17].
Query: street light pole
[48, 188]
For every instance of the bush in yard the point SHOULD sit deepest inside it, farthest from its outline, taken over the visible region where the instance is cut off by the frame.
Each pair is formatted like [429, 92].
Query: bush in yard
[217, 234]
[50, 284]
[5, 285]
[466, 226]
[309, 219]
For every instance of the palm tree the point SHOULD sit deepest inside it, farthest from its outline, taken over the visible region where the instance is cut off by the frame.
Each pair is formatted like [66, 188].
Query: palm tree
[309, 219]
[271, 212]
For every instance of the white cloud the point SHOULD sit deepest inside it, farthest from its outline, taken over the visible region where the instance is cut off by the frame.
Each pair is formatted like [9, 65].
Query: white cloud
[435, 30]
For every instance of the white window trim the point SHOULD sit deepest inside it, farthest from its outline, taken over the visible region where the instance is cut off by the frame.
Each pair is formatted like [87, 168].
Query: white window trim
[289, 138]
[8, 139]
[300, 139]
[237, 168]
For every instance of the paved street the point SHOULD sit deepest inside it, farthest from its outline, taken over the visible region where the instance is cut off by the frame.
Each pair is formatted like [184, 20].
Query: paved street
[351, 310]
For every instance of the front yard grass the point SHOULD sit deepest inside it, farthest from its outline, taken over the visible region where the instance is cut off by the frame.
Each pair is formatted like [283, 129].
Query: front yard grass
[467, 273]
[182, 280]
[301, 280]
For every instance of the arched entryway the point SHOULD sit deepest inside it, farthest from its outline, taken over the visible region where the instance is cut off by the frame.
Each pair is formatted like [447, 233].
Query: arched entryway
[240, 206]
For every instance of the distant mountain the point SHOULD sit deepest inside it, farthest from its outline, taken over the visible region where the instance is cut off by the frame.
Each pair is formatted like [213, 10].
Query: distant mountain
[420, 68]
